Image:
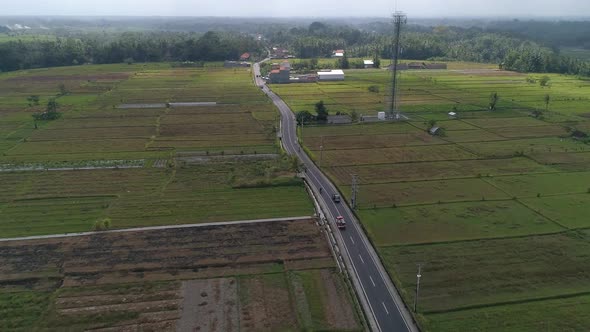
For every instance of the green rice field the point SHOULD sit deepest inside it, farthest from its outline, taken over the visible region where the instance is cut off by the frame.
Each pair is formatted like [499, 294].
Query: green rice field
[173, 165]
[495, 209]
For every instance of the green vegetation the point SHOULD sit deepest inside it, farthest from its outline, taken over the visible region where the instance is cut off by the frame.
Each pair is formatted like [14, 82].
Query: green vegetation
[511, 49]
[139, 166]
[153, 279]
[496, 209]
[22, 310]
[24, 53]
[453, 222]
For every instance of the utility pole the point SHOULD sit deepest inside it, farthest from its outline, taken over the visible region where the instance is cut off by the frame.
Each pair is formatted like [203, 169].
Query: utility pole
[321, 152]
[355, 190]
[399, 19]
[418, 276]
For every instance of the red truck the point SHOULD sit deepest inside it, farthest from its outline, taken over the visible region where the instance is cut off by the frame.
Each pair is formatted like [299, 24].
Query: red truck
[340, 223]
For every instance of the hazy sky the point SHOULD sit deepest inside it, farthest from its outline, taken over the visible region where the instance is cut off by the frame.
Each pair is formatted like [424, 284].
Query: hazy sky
[283, 8]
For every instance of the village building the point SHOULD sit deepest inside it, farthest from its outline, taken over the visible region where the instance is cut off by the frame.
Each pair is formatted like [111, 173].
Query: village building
[245, 57]
[280, 74]
[236, 64]
[338, 53]
[331, 75]
[280, 53]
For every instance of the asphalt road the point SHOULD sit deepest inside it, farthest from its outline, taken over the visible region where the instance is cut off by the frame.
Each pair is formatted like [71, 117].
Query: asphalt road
[386, 307]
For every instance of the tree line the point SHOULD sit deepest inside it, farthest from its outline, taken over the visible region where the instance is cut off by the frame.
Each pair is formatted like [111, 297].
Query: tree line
[125, 47]
[432, 43]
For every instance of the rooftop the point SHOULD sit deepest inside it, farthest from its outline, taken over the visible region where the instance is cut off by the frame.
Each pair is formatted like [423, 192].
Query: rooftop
[332, 72]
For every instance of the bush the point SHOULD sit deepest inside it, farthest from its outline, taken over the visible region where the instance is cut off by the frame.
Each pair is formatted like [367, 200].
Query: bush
[373, 88]
[102, 225]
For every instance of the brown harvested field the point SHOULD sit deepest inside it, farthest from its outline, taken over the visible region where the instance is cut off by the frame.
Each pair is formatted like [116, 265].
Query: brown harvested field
[525, 132]
[506, 122]
[465, 136]
[372, 141]
[394, 155]
[386, 173]
[266, 304]
[319, 296]
[209, 305]
[427, 192]
[578, 161]
[209, 278]
[93, 133]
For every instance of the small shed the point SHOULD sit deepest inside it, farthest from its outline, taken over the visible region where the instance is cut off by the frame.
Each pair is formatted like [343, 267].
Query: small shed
[434, 131]
[452, 115]
[339, 119]
[368, 63]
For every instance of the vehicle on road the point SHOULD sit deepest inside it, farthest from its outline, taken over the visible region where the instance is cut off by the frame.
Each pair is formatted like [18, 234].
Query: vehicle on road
[336, 198]
[340, 222]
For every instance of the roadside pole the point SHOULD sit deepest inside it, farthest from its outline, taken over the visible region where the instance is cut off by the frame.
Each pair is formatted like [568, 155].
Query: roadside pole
[418, 276]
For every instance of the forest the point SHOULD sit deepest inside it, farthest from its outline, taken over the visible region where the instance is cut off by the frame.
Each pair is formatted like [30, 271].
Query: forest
[524, 46]
[125, 47]
[433, 43]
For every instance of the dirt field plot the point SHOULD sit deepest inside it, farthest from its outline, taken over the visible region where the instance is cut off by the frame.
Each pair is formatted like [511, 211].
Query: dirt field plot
[568, 210]
[487, 273]
[526, 132]
[319, 297]
[527, 147]
[543, 184]
[213, 278]
[209, 305]
[565, 161]
[266, 304]
[36, 202]
[452, 222]
[361, 129]
[393, 155]
[371, 141]
[435, 170]
[519, 156]
[427, 192]
[567, 314]
[505, 122]
[466, 136]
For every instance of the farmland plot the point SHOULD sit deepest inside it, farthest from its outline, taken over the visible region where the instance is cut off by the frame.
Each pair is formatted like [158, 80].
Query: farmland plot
[495, 208]
[215, 278]
[56, 179]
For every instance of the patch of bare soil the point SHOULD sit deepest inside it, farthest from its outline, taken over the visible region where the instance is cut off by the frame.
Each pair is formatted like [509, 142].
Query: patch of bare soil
[209, 305]
[339, 313]
[301, 302]
[108, 273]
[265, 306]
[165, 326]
